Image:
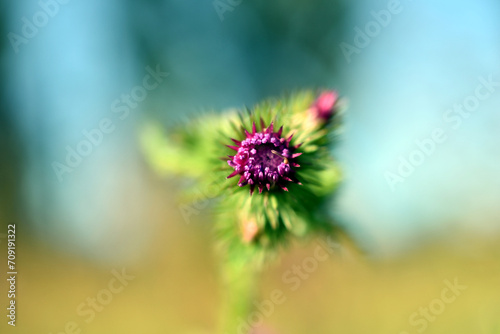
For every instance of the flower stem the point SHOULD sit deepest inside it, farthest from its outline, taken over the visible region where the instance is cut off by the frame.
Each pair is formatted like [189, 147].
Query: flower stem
[240, 288]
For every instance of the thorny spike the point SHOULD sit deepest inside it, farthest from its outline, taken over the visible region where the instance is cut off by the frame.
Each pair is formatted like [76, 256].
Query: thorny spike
[233, 174]
[262, 124]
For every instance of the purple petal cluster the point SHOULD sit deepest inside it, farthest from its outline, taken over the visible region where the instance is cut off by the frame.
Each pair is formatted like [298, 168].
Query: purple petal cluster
[264, 159]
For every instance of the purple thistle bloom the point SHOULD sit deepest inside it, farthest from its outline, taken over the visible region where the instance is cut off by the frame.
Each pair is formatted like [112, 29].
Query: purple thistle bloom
[264, 159]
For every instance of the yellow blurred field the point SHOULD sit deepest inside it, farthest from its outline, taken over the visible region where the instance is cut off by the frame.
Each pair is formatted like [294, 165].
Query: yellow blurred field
[175, 289]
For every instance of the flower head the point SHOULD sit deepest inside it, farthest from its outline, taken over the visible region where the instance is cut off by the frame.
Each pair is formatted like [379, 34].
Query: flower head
[264, 159]
[324, 106]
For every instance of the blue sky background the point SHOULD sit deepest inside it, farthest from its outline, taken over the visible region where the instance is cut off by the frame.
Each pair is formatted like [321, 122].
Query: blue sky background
[424, 62]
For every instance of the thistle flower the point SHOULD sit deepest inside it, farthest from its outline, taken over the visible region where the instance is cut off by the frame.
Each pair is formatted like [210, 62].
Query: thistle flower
[264, 158]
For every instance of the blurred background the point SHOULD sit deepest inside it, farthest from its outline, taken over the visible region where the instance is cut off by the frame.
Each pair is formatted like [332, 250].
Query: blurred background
[84, 76]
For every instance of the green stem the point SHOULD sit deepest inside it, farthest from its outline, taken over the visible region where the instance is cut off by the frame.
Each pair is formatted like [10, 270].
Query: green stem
[240, 287]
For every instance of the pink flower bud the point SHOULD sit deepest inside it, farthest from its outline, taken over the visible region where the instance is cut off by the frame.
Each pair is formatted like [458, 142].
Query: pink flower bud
[249, 230]
[324, 106]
